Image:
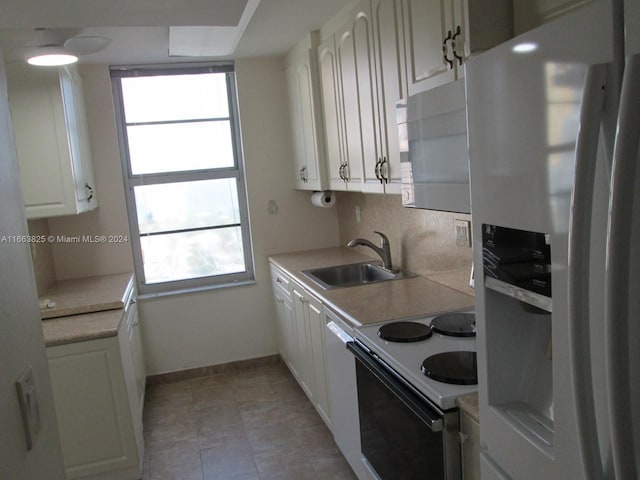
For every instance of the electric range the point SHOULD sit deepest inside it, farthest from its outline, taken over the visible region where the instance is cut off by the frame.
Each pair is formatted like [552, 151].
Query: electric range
[418, 345]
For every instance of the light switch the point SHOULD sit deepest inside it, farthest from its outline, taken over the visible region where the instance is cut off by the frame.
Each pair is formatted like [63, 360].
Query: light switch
[28, 399]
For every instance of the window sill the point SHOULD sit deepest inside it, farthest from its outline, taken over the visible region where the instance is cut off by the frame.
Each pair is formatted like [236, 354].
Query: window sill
[187, 291]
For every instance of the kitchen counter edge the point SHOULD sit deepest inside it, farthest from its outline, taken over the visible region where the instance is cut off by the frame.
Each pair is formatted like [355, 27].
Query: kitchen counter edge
[90, 325]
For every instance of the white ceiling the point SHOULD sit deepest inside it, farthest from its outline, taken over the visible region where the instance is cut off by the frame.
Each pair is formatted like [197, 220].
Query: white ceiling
[139, 30]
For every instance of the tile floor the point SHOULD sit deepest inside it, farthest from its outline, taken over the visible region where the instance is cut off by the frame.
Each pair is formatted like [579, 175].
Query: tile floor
[250, 423]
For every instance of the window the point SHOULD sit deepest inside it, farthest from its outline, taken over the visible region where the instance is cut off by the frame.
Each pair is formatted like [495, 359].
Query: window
[183, 175]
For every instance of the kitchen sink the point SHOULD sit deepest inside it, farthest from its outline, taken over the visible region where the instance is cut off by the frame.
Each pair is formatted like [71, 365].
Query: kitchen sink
[352, 275]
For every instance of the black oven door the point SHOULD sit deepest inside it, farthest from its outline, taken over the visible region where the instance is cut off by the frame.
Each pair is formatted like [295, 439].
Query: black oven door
[402, 435]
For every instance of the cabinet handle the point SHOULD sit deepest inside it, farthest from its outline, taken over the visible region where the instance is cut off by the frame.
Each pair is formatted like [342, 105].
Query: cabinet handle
[346, 172]
[462, 438]
[445, 50]
[453, 45]
[377, 170]
[340, 172]
[278, 280]
[382, 170]
[90, 190]
[279, 300]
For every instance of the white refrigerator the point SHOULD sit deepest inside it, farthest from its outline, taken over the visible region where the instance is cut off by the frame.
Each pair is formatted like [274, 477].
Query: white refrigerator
[554, 129]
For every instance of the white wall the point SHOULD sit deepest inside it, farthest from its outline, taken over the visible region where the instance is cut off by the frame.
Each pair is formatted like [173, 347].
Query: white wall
[216, 326]
[21, 340]
[239, 323]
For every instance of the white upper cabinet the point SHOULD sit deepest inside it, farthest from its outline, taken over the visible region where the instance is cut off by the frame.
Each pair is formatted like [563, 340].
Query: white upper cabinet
[372, 54]
[427, 24]
[52, 140]
[305, 114]
[357, 72]
[337, 166]
[362, 76]
[441, 34]
[390, 64]
[349, 88]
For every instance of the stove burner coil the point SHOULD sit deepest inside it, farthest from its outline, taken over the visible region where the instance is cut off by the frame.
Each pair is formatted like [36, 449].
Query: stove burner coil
[458, 367]
[455, 324]
[404, 332]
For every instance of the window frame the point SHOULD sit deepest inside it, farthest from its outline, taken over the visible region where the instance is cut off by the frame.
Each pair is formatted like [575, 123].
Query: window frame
[131, 180]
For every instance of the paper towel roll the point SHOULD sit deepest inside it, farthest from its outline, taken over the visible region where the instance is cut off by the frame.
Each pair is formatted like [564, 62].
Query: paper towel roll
[323, 199]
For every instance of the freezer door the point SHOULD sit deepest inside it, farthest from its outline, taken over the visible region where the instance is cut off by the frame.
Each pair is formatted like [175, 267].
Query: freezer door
[622, 329]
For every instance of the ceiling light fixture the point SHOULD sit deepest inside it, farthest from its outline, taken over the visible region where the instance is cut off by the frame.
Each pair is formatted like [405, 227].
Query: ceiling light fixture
[50, 56]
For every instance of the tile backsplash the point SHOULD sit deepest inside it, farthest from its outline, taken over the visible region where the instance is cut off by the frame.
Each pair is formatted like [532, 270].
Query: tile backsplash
[422, 241]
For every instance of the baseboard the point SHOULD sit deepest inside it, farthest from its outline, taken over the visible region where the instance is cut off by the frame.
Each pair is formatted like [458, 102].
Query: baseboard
[236, 366]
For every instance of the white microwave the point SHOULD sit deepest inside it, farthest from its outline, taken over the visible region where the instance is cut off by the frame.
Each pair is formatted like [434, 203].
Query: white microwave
[434, 154]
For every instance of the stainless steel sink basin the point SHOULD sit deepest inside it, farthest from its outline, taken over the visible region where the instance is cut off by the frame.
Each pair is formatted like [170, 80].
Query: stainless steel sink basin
[352, 275]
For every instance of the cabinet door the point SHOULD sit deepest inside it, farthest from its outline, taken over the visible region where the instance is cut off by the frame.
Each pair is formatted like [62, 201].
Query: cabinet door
[302, 360]
[78, 134]
[389, 49]
[470, 430]
[349, 88]
[319, 359]
[137, 354]
[284, 313]
[305, 115]
[39, 128]
[295, 118]
[361, 26]
[92, 405]
[426, 25]
[307, 161]
[331, 101]
[50, 129]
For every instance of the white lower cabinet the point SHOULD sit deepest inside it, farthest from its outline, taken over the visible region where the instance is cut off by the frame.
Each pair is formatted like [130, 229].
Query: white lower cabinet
[132, 352]
[470, 440]
[284, 315]
[301, 340]
[98, 388]
[315, 323]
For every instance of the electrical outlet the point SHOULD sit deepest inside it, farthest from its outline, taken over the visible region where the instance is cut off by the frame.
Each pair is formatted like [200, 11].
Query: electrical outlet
[28, 399]
[463, 233]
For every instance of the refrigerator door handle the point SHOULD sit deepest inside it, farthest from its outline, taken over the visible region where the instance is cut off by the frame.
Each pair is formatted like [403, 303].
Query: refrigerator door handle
[591, 116]
[619, 231]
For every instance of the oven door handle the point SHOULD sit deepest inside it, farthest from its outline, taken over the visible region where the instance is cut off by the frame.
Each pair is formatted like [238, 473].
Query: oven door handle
[429, 417]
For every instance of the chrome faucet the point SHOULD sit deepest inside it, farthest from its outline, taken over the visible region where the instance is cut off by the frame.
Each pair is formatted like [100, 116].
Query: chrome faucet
[383, 250]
